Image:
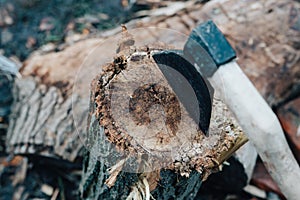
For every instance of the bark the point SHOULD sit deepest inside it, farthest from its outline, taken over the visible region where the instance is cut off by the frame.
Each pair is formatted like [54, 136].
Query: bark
[41, 122]
[42, 117]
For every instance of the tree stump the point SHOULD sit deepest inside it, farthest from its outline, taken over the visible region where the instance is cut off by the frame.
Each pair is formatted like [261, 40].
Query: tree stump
[133, 153]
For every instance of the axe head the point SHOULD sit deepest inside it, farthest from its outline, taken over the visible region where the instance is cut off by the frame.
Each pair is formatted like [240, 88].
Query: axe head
[205, 50]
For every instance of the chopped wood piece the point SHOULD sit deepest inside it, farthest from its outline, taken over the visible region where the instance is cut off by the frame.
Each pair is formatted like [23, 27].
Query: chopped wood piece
[289, 116]
[47, 189]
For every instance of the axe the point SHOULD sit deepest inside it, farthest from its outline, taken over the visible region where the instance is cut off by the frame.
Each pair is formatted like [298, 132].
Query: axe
[212, 57]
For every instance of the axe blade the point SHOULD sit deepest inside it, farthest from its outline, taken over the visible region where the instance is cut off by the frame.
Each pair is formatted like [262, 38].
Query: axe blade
[175, 60]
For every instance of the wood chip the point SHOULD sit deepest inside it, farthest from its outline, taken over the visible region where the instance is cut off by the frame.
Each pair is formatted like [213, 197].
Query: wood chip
[47, 189]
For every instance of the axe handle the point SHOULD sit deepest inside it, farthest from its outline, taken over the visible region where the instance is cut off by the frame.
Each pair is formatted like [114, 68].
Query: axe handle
[260, 124]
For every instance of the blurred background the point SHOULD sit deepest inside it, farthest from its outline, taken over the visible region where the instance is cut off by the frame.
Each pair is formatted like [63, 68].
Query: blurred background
[28, 24]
